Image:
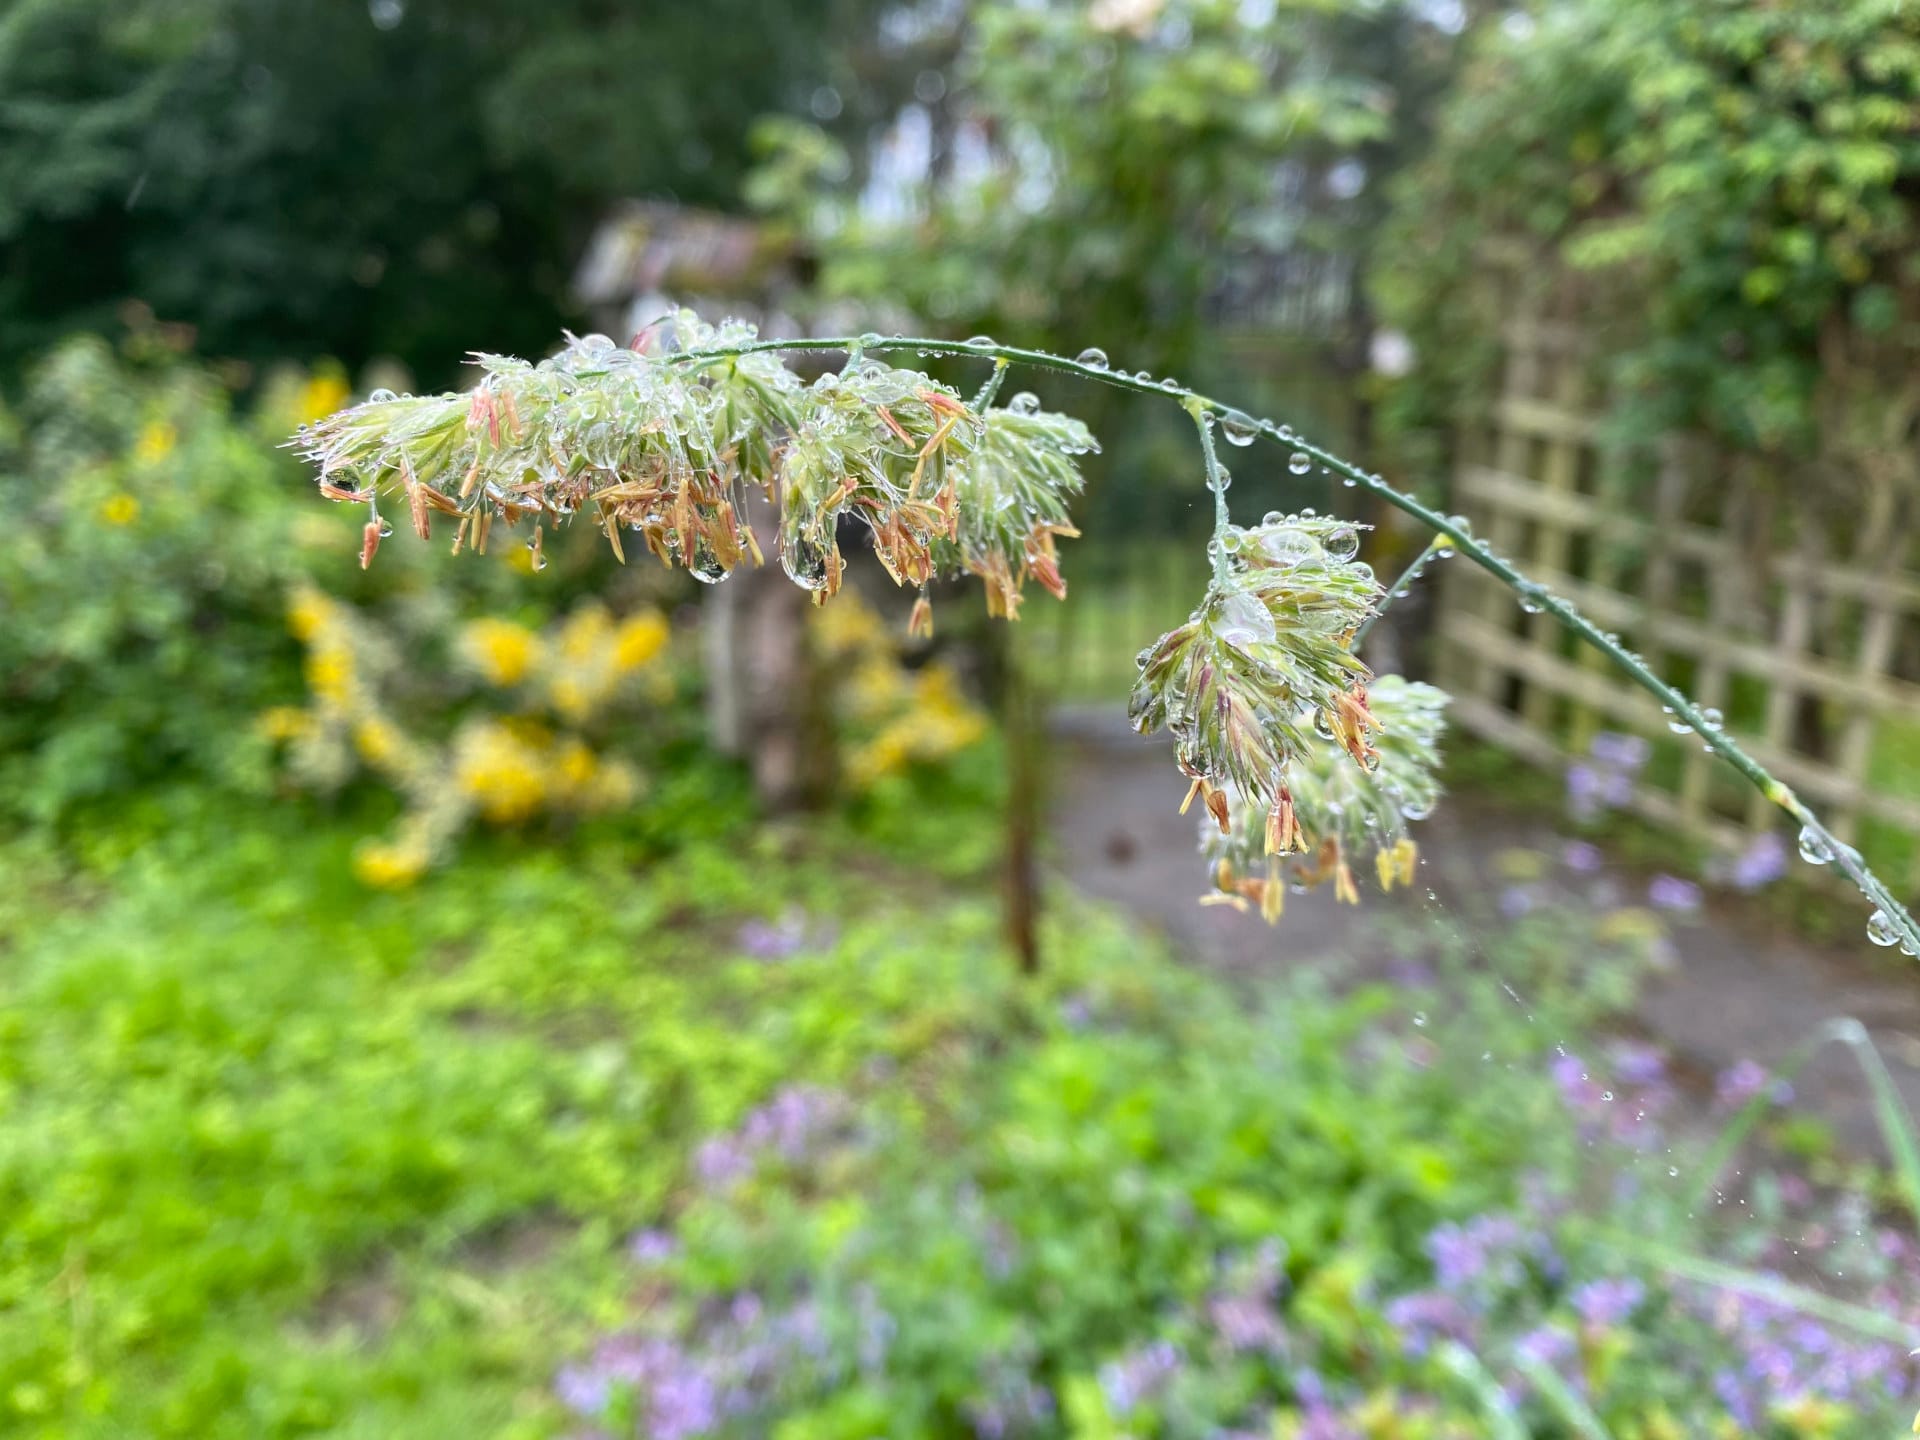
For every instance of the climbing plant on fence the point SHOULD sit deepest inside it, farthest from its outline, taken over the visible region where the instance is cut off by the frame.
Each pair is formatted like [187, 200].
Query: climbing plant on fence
[1297, 757]
[1731, 184]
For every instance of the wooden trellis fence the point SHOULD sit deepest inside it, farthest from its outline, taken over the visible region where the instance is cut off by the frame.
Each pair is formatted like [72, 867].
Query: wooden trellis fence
[1804, 631]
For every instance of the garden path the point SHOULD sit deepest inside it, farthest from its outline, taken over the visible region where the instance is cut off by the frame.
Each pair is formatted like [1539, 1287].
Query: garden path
[1740, 988]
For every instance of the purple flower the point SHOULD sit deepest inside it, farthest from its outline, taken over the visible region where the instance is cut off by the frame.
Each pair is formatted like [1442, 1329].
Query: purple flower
[1515, 901]
[1138, 1376]
[1582, 857]
[1625, 753]
[1584, 783]
[1576, 1085]
[651, 1247]
[792, 1126]
[1605, 782]
[583, 1390]
[1639, 1064]
[1669, 892]
[1548, 1345]
[1247, 1324]
[1761, 863]
[1608, 1302]
[776, 940]
[681, 1403]
[1485, 1248]
[1427, 1316]
[1013, 1404]
[1744, 1079]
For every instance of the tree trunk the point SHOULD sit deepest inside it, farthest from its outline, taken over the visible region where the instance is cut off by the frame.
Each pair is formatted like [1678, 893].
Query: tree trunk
[766, 702]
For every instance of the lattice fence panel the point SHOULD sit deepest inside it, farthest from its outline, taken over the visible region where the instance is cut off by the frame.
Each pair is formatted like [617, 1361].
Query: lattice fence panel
[1807, 639]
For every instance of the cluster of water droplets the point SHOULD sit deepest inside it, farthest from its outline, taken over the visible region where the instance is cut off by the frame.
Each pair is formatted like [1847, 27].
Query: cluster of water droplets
[1818, 848]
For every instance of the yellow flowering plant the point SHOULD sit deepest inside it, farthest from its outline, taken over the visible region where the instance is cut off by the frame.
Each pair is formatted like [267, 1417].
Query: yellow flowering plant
[523, 757]
[888, 716]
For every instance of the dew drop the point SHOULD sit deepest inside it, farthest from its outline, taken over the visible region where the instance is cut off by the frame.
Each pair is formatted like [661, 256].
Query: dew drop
[1025, 403]
[1239, 428]
[1881, 929]
[1420, 1017]
[983, 341]
[1680, 727]
[1169, 384]
[1288, 546]
[1342, 543]
[805, 564]
[381, 397]
[1093, 357]
[1813, 849]
[1301, 462]
[1243, 622]
[386, 528]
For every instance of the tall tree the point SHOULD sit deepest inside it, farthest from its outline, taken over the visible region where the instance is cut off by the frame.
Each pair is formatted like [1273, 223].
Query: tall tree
[408, 177]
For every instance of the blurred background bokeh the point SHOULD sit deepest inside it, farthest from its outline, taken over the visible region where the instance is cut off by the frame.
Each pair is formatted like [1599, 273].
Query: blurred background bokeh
[528, 995]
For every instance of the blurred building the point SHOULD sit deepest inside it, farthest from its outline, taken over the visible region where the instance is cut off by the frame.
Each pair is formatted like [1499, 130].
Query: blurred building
[651, 256]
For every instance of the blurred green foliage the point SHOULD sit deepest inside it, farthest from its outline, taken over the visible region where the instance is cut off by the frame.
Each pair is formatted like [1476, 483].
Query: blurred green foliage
[1726, 186]
[400, 177]
[1135, 149]
[279, 1158]
[144, 580]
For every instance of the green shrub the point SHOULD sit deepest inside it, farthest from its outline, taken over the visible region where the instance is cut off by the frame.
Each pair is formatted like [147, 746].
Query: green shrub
[1729, 184]
[153, 533]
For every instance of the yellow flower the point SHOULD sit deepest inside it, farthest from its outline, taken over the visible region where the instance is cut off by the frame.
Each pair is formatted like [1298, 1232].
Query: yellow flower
[324, 392]
[885, 754]
[330, 673]
[308, 612]
[120, 509]
[584, 634]
[572, 696]
[283, 722]
[501, 650]
[505, 776]
[848, 625]
[378, 741]
[156, 441]
[575, 765]
[875, 688]
[389, 867]
[638, 640]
